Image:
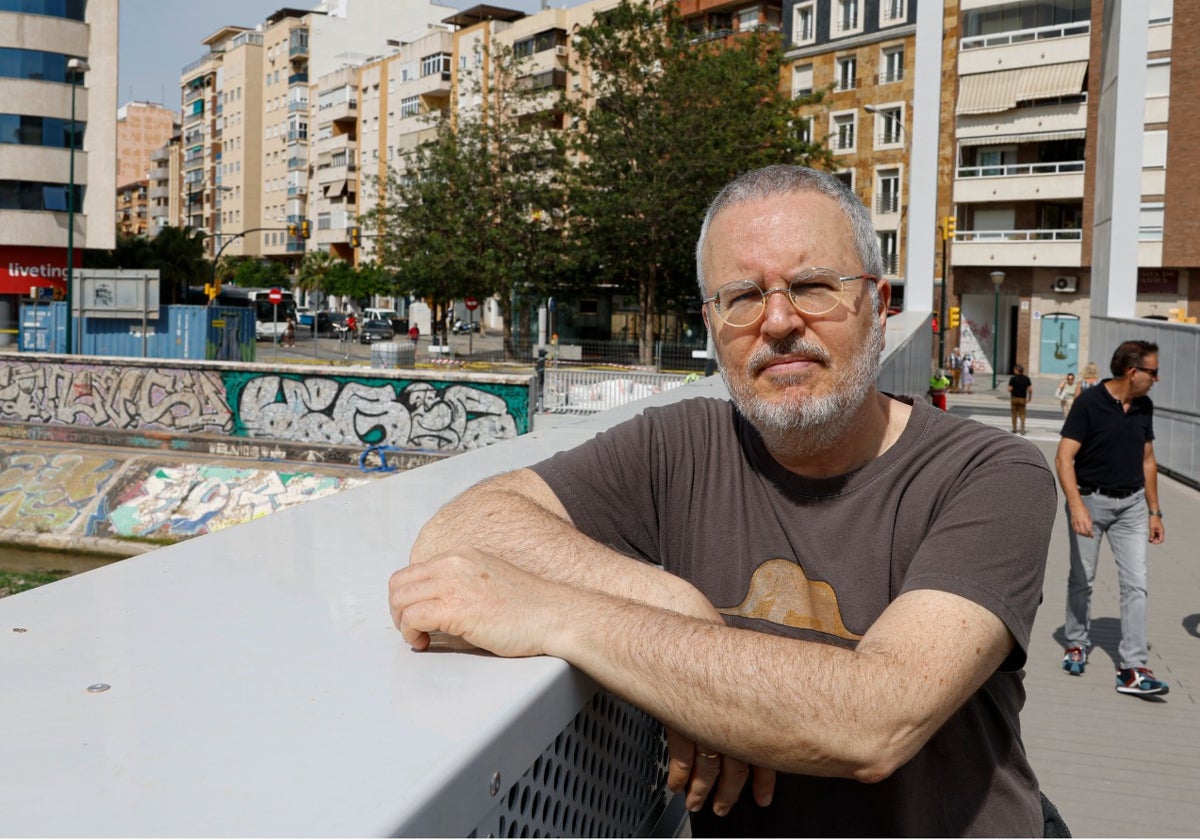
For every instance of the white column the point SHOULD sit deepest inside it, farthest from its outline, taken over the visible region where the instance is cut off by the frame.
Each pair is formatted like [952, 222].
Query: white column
[922, 175]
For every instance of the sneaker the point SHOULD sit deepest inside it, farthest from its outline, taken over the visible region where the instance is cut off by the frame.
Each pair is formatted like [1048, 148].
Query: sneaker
[1075, 660]
[1140, 681]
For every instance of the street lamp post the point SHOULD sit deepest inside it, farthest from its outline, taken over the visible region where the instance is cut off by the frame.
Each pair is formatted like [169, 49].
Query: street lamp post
[997, 281]
[76, 67]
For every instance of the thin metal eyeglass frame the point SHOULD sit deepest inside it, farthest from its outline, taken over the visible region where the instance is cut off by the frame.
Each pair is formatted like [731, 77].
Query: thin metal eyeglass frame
[788, 288]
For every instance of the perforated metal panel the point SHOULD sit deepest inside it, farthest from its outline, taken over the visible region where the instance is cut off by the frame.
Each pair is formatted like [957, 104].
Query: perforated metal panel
[603, 776]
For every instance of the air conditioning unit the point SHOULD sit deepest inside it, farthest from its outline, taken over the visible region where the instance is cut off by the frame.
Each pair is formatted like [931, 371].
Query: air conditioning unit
[1066, 284]
[560, 51]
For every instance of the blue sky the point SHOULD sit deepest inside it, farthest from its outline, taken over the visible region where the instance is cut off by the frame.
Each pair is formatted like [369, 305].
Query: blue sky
[160, 37]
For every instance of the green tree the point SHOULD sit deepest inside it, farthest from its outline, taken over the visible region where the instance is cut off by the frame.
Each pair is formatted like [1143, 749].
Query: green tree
[667, 121]
[473, 210]
[177, 253]
[253, 273]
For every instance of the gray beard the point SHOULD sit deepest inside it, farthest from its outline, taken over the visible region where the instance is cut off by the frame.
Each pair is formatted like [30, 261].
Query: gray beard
[809, 426]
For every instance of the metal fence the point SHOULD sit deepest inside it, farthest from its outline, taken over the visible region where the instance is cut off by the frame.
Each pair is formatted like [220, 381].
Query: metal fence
[568, 390]
[684, 357]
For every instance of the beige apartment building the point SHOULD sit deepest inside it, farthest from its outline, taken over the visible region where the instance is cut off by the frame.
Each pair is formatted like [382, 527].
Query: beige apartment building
[142, 128]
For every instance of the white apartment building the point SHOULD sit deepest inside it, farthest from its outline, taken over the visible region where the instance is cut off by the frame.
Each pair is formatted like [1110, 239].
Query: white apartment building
[58, 61]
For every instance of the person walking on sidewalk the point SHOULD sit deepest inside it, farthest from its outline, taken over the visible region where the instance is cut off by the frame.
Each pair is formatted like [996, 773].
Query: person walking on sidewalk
[1066, 392]
[1106, 466]
[1020, 392]
[967, 366]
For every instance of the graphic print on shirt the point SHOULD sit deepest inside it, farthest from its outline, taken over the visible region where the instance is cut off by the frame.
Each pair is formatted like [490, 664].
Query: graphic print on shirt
[780, 592]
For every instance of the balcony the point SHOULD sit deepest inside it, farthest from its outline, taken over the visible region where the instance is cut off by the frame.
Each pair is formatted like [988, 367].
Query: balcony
[301, 107]
[1061, 248]
[1019, 182]
[1023, 36]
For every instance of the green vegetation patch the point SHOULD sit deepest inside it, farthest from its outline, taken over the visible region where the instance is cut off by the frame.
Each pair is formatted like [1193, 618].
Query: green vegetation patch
[14, 582]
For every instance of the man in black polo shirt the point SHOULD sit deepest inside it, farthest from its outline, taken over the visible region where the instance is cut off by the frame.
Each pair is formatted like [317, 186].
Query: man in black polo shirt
[1109, 476]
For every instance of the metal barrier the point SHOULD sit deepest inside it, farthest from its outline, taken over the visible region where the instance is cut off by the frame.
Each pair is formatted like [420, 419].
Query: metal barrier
[578, 391]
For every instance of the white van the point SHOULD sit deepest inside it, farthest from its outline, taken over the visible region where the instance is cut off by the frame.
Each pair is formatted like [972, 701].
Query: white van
[373, 313]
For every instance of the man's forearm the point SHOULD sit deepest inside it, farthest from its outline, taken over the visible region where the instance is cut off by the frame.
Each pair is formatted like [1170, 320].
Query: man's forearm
[516, 517]
[794, 706]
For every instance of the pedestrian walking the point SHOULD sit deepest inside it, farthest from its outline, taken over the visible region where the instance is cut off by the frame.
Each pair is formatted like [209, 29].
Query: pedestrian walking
[1091, 375]
[1065, 393]
[954, 367]
[414, 334]
[968, 373]
[1020, 393]
[289, 333]
[938, 383]
[1109, 477]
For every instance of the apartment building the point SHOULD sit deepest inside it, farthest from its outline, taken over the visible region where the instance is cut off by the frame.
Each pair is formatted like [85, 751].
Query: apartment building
[165, 181]
[58, 89]
[1025, 179]
[142, 128]
[133, 208]
[860, 53]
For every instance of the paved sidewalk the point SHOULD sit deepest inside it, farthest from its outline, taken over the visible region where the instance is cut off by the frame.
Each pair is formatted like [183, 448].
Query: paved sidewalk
[1116, 766]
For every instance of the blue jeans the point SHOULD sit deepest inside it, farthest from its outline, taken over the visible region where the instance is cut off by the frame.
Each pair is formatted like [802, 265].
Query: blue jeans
[1127, 524]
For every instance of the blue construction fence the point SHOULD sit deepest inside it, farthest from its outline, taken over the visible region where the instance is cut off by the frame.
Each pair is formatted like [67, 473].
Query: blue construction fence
[215, 333]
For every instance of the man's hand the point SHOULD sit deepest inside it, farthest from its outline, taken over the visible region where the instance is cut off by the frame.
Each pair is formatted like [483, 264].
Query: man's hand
[1081, 520]
[1158, 531]
[479, 598]
[701, 772]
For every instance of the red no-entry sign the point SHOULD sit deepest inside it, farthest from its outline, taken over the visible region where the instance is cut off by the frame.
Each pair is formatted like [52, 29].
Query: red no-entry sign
[275, 296]
[470, 303]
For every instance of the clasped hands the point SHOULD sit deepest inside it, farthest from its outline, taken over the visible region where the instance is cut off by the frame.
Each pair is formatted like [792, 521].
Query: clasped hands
[491, 604]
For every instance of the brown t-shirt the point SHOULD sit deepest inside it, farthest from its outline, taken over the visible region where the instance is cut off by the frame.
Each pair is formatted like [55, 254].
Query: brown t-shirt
[952, 506]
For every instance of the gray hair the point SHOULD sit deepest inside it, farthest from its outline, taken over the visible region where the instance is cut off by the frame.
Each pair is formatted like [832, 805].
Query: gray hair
[783, 179]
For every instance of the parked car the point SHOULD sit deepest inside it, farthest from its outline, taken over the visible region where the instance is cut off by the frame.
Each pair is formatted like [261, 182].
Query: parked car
[305, 316]
[327, 322]
[376, 329]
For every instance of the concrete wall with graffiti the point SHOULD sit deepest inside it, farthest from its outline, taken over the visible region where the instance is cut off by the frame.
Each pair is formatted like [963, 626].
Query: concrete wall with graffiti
[81, 495]
[446, 412]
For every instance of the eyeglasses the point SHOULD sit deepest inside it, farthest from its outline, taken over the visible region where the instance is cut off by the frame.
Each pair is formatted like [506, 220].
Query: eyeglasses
[1152, 371]
[815, 291]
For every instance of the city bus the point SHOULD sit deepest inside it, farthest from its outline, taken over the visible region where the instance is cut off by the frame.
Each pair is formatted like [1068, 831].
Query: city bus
[270, 320]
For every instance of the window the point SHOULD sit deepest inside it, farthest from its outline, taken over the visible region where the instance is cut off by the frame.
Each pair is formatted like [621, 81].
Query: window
[1154, 150]
[846, 17]
[846, 176]
[1158, 78]
[889, 126]
[887, 191]
[431, 65]
[410, 106]
[844, 126]
[1150, 222]
[804, 129]
[747, 19]
[804, 23]
[802, 80]
[891, 65]
[847, 73]
[1161, 11]
[892, 12]
[888, 250]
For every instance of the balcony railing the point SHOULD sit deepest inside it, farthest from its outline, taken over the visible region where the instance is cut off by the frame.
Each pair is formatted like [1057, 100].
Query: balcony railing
[1021, 36]
[887, 203]
[891, 264]
[1041, 235]
[298, 106]
[1060, 168]
[845, 84]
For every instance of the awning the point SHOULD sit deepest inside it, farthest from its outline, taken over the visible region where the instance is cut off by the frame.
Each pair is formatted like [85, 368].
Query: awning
[335, 188]
[1039, 137]
[1050, 81]
[1001, 90]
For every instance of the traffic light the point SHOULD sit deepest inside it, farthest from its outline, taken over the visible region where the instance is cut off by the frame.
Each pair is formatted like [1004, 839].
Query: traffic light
[355, 237]
[292, 231]
[934, 324]
[949, 227]
[304, 231]
[953, 321]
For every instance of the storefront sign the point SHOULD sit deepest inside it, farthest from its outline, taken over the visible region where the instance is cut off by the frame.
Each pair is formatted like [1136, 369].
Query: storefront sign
[1158, 281]
[23, 268]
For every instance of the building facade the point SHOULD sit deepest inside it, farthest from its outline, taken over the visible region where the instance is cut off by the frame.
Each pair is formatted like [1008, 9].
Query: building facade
[58, 91]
